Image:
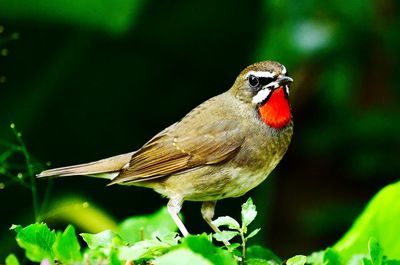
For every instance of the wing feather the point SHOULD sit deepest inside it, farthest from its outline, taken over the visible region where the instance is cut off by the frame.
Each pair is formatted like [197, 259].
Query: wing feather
[177, 149]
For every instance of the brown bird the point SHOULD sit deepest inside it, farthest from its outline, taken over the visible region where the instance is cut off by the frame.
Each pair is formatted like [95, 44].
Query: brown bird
[223, 148]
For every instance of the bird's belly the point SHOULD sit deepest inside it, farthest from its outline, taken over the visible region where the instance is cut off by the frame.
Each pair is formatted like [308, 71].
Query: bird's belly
[243, 180]
[213, 182]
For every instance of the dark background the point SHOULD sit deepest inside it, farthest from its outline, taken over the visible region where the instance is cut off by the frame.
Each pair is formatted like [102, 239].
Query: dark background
[90, 79]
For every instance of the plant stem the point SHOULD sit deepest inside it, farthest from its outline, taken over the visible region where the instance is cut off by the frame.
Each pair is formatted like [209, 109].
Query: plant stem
[46, 198]
[16, 180]
[243, 246]
[30, 172]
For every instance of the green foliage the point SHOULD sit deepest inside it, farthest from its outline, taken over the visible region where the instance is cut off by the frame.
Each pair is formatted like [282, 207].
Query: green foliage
[159, 245]
[37, 240]
[202, 245]
[327, 257]
[139, 228]
[380, 221]
[66, 247]
[24, 174]
[248, 214]
[375, 256]
[12, 260]
[297, 260]
[103, 240]
[159, 242]
[183, 257]
[261, 255]
[375, 252]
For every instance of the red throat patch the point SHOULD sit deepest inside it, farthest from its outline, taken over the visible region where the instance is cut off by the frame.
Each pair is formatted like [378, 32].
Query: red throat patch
[276, 111]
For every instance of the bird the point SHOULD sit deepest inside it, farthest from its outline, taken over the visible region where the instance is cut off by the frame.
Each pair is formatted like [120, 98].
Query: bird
[223, 148]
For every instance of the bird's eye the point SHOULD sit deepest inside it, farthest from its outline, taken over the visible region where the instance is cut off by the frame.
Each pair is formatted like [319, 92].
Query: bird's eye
[253, 81]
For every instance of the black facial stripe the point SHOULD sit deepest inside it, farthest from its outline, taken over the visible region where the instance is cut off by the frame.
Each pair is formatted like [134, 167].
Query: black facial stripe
[266, 80]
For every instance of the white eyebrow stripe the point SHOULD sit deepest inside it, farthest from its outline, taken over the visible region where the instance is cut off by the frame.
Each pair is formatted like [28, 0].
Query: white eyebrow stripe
[261, 95]
[283, 70]
[260, 74]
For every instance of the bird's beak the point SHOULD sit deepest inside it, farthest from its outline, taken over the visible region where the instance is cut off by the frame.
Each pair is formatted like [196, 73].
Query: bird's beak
[284, 80]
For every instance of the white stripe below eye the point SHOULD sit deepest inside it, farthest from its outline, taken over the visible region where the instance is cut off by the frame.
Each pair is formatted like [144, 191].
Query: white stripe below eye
[261, 95]
[260, 74]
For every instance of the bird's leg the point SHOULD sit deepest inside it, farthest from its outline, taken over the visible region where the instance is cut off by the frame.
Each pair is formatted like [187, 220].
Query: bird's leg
[207, 211]
[174, 206]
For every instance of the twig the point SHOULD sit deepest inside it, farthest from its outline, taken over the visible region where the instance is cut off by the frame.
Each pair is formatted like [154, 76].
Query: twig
[30, 171]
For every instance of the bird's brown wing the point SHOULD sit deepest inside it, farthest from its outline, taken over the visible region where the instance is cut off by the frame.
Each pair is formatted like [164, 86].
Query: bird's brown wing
[180, 148]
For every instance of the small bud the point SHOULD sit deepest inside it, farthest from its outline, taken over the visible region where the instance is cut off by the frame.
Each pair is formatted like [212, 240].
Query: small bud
[20, 175]
[85, 205]
[2, 185]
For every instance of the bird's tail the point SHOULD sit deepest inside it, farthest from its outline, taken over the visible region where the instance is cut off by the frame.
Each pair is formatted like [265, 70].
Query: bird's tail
[105, 168]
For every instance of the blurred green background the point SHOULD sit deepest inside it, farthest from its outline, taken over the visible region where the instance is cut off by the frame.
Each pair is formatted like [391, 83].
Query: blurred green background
[87, 79]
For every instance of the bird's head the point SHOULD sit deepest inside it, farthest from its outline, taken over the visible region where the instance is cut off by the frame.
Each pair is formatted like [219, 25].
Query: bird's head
[265, 87]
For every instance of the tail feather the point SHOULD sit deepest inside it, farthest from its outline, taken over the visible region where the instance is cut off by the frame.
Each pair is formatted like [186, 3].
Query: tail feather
[104, 168]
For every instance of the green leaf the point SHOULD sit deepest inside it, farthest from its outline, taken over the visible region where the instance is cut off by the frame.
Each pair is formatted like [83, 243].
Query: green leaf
[225, 235]
[357, 259]
[114, 259]
[366, 261]
[104, 241]
[233, 246]
[66, 247]
[375, 251]
[12, 260]
[183, 257]
[380, 220]
[259, 262]
[147, 227]
[259, 252]
[392, 262]
[326, 257]
[201, 245]
[297, 260]
[316, 257]
[171, 238]
[37, 240]
[253, 233]
[248, 213]
[331, 257]
[228, 221]
[143, 249]
[16, 228]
